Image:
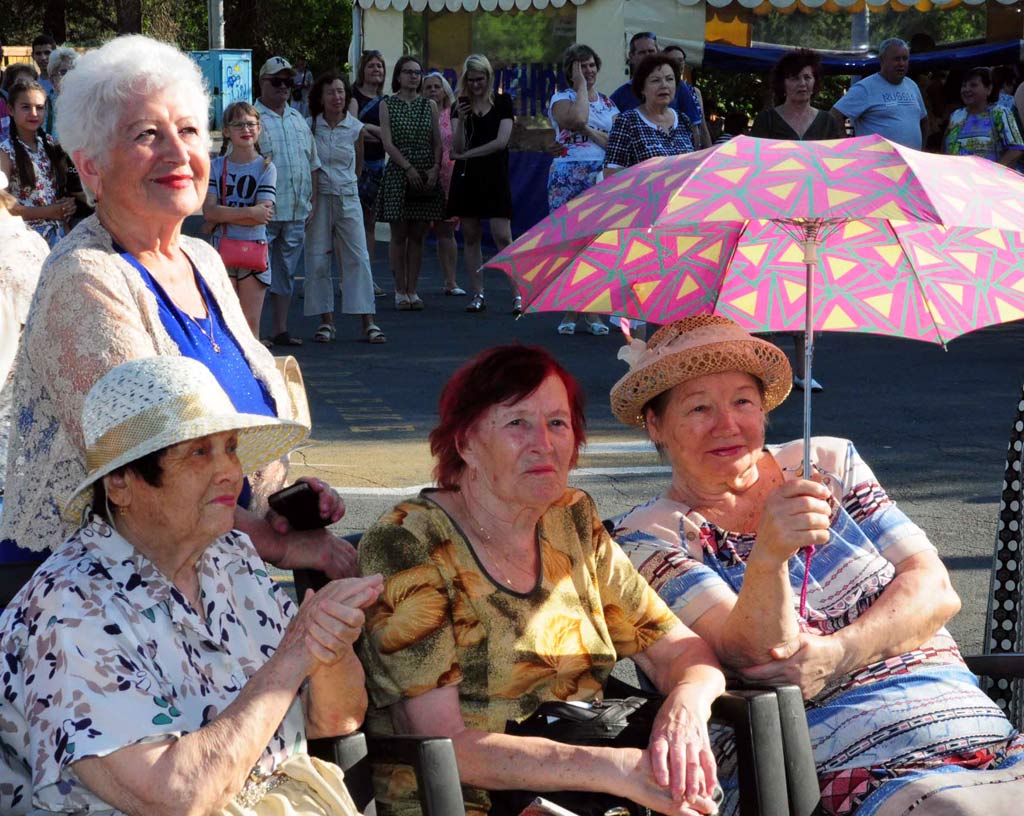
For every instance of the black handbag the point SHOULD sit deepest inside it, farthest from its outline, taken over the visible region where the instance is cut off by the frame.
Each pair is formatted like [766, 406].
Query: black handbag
[624, 723]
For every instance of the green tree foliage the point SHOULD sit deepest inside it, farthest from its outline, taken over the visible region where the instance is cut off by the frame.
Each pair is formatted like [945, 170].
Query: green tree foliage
[832, 31]
[320, 30]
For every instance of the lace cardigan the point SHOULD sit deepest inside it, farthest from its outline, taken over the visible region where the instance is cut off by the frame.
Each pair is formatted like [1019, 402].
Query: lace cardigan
[92, 312]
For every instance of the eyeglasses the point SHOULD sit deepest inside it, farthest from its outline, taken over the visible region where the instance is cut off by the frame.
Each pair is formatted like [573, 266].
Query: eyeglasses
[245, 125]
[279, 82]
[411, 71]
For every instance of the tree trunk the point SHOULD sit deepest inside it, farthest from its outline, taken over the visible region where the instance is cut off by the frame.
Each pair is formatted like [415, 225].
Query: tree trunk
[129, 16]
[55, 19]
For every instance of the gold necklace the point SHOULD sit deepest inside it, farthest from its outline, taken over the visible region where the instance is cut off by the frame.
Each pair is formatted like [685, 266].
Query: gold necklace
[209, 312]
[485, 537]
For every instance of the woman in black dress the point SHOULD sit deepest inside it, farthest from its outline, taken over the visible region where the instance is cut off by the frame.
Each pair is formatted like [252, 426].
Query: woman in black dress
[481, 127]
[795, 79]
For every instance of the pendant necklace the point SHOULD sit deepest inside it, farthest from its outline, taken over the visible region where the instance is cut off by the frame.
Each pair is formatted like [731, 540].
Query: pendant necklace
[208, 336]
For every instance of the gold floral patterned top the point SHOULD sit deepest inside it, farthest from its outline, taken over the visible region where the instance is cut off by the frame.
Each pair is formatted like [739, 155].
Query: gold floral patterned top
[442, 620]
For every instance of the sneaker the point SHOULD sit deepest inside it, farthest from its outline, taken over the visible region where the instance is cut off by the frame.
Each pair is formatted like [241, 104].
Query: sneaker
[798, 383]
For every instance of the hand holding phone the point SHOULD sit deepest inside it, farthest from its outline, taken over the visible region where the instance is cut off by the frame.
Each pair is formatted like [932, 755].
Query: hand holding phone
[300, 505]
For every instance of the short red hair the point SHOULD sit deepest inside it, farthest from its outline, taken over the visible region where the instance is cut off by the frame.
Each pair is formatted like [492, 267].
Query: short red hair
[503, 374]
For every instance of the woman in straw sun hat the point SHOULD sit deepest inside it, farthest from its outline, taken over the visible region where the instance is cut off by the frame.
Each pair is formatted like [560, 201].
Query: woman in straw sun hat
[866, 643]
[151, 660]
[127, 284]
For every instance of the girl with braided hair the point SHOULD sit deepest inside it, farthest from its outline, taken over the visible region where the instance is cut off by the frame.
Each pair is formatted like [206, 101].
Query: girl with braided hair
[34, 164]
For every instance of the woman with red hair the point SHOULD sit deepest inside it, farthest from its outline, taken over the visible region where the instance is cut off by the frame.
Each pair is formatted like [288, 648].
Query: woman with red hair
[503, 591]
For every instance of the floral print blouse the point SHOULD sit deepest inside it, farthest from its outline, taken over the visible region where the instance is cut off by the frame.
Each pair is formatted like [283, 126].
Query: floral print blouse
[442, 621]
[93, 311]
[102, 652]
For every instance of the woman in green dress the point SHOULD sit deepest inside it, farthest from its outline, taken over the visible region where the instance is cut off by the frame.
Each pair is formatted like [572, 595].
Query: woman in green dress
[410, 196]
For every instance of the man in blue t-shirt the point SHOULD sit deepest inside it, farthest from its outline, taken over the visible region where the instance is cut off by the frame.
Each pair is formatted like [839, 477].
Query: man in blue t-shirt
[643, 45]
[887, 103]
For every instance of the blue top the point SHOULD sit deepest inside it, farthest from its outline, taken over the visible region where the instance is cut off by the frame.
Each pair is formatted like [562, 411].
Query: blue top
[875, 105]
[684, 102]
[195, 339]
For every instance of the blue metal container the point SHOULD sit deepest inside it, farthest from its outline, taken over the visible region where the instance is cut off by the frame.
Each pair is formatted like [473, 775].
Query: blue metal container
[228, 75]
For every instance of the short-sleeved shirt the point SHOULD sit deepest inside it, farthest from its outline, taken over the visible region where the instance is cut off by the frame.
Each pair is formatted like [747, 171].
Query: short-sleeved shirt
[578, 146]
[685, 101]
[336, 147]
[875, 105]
[634, 138]
[443, 621]
[895, 711]
[242, 186]
[103, 652]
[287, 142]
[988, 134]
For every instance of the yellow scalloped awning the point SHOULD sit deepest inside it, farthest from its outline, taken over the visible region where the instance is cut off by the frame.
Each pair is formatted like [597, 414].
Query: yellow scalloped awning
[851, 6]
[469, 5]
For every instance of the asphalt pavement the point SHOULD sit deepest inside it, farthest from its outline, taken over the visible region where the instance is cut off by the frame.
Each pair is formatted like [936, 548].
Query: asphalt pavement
[932, 423]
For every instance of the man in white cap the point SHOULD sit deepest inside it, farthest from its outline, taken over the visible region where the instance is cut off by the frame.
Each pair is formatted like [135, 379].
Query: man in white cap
[287, 141]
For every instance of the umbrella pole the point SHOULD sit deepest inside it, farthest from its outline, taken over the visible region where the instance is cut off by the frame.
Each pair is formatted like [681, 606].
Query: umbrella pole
[810, 246]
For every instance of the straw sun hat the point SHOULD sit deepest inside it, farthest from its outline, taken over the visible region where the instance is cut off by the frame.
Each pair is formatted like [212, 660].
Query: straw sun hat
[691, 348]
[152, 403]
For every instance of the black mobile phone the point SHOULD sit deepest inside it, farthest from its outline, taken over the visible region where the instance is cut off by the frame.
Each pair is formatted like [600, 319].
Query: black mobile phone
[300, 504]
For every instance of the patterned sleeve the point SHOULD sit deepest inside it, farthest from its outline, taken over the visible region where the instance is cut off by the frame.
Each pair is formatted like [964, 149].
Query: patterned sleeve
[408, 647]
[213, 186]
[636, 617]
[1004, 126]
[84, 323]
[266, 188]
[618, 153]
[894, 535]
[85, 691]
[686, 585]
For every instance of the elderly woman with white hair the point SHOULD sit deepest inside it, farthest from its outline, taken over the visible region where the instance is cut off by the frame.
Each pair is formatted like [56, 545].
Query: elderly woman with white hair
[126, 283]
[187, 680]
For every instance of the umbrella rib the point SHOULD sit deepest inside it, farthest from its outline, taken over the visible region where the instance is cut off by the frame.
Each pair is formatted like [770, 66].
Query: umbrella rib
[920, 285]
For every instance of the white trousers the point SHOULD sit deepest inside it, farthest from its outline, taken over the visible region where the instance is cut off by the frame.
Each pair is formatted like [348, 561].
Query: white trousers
[337, 231]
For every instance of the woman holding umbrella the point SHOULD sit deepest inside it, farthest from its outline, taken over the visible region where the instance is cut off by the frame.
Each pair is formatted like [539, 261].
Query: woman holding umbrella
[892, 708]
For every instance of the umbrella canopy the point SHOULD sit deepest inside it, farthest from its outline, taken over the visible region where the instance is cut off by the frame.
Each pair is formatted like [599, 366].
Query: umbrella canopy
[912, 244]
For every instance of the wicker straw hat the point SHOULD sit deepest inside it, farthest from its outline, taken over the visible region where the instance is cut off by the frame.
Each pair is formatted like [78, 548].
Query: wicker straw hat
[690, 348]
[152, 403]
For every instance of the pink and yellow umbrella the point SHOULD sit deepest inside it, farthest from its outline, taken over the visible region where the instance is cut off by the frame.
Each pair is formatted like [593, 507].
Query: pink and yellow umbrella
[860, 235]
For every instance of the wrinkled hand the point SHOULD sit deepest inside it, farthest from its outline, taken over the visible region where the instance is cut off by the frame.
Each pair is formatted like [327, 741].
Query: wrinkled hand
[681, 761]
[810, 662]
[329, 621]
[796, 515]
[316, 549]
[638, 784]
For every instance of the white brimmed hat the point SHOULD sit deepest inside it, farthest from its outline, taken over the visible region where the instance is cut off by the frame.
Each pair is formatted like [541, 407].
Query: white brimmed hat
[691, 348]
[275, 65]
[152, 403]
